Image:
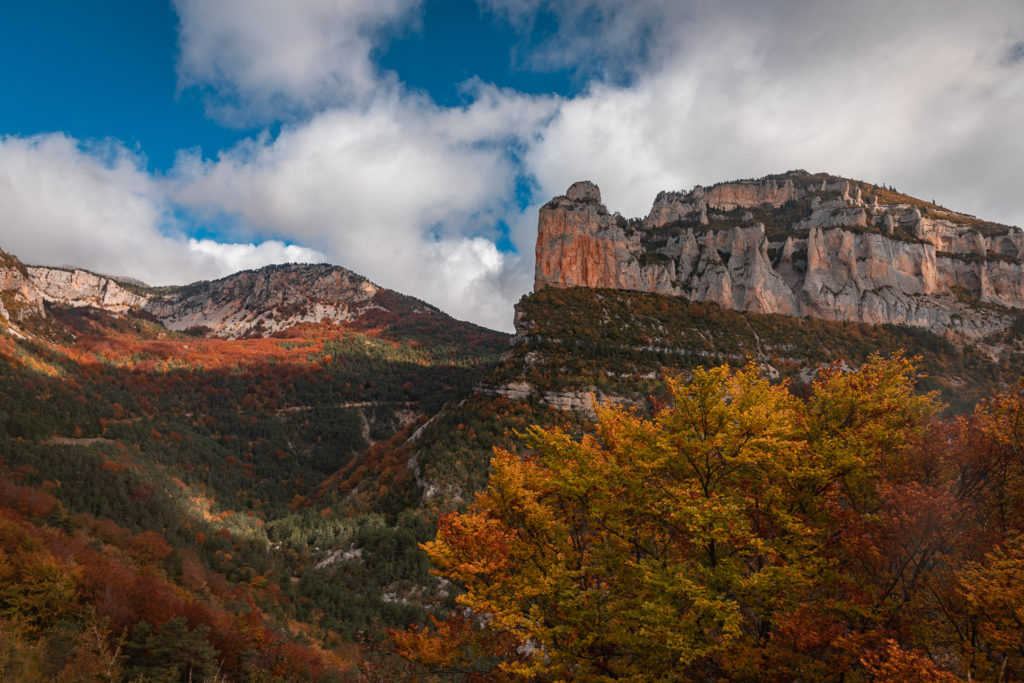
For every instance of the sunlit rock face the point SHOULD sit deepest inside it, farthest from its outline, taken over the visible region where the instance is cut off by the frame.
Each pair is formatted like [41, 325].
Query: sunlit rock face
[77, 287]
[267, 300]
[20, 301]
[796, 244]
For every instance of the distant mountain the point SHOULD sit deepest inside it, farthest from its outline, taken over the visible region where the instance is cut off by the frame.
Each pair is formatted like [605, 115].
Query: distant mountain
[798, 244]
[268, 300]
[249, 303]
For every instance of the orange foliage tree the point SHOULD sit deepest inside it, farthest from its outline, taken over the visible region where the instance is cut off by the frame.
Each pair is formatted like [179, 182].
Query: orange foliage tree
[744, 533]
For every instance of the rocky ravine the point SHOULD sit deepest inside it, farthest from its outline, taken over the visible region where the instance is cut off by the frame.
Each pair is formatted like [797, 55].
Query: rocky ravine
[796, 244]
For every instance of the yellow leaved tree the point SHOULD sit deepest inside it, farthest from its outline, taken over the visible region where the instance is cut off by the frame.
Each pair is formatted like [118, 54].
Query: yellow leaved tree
[689, 544]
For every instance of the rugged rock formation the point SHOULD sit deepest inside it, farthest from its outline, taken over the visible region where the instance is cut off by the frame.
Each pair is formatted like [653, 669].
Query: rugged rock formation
[267, 300]
[771, 192]
[583, 402]
[796, 244]
[76, 287]
[20, 301]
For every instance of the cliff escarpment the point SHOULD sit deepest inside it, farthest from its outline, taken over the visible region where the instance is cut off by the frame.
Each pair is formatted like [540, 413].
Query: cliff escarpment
[796, 244]
[20, 301]
[77, 287]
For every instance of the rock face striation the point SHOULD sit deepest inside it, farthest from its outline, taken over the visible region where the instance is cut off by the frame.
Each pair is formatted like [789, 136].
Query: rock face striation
[76, 287]
[796, 244]
[20, 300]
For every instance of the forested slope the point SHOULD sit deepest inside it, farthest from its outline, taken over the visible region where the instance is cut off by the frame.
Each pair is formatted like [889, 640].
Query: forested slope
[158, 479]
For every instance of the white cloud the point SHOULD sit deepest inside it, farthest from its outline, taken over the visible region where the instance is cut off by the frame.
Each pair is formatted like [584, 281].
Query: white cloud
[264, 58]
[62, 203]
[402, 191]
[210, 256]
[919, 96]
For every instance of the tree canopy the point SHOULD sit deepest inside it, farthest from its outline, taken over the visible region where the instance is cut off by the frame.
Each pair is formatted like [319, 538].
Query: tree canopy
[744, 533]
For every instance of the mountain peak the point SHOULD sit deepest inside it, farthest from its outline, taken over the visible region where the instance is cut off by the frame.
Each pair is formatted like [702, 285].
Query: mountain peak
[266, 300]
[584, 191]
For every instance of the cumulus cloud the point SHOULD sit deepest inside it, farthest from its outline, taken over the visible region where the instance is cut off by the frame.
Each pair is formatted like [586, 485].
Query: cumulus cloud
[402, 191]
[94, 206]
[208, 257]
[918, 96]
[258, 59]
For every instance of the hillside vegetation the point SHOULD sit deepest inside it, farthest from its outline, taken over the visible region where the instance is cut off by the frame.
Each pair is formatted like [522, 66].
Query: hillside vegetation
[154, 488]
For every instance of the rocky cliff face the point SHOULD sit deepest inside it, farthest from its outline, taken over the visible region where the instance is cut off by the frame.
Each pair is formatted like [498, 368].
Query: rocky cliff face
[76, 287]
[796, 244]
[20, 301]
[267, 300]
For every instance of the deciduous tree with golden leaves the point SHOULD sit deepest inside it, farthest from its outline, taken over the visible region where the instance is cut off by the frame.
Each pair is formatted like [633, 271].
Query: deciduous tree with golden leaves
[739, 533]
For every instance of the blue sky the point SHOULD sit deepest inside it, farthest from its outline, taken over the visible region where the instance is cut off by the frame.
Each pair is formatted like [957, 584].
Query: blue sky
[412, 141]
[107, 70]
[101, 70]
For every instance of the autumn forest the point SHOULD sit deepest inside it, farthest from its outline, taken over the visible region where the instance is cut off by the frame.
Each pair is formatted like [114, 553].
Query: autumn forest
[406, 497]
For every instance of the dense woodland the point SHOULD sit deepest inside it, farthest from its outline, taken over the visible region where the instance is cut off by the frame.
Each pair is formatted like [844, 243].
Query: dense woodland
[158, 494]
[176, 507]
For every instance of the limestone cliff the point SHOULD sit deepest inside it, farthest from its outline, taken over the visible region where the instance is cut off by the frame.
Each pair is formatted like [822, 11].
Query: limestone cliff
[267, 300]
[20, 301]
[796, 244]
[76, 287]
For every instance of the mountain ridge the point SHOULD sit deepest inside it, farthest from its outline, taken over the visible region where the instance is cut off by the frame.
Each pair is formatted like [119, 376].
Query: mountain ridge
[252, 302]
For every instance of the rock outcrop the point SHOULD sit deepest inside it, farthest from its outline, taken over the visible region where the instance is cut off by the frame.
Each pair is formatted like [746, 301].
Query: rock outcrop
[267, 300]
[20, 300]
[796, 244]
[76, 287]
